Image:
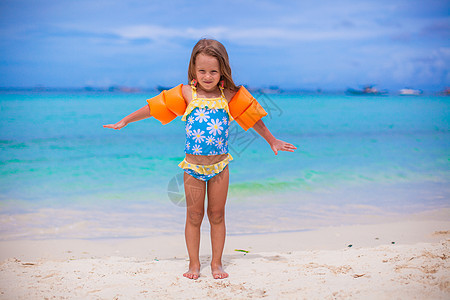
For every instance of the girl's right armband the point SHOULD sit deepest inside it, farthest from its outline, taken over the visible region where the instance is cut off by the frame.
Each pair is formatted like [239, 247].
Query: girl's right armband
[168, 105]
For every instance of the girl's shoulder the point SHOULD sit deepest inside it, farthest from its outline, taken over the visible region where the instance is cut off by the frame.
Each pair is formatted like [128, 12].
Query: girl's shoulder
[229, 93]
[186, 91]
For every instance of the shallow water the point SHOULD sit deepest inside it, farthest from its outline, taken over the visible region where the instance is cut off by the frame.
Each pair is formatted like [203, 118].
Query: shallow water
[64, 175]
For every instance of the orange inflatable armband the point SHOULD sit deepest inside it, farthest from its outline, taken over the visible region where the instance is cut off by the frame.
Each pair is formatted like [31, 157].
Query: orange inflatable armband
[245, 109]
[168, 105]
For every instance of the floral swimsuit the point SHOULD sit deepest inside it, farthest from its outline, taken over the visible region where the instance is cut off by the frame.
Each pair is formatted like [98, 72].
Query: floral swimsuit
[207, 121]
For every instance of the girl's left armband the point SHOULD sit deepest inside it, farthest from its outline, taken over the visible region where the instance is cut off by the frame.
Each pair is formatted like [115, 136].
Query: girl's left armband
[168, 105]
[245, 109]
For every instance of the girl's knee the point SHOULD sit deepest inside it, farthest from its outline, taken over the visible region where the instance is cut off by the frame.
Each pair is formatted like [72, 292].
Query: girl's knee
[195, 217]
[216, 216]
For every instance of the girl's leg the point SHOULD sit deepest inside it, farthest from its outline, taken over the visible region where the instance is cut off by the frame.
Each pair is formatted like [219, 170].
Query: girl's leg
[195, 208]
[217, 196]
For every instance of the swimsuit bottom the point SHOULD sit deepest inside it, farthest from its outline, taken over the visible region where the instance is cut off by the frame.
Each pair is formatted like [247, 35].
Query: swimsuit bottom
[205, 172]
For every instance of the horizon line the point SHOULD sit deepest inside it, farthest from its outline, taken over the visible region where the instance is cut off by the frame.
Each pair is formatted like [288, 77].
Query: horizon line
[137, 89]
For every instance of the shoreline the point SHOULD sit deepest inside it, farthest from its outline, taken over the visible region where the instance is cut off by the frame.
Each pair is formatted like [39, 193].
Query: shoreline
[404, 232]
[255, 217]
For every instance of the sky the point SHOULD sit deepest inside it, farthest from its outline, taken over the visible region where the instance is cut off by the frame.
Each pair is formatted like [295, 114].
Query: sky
[327, 44]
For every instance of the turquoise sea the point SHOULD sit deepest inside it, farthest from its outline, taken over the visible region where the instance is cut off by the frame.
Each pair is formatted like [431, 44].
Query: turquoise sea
[359, 159]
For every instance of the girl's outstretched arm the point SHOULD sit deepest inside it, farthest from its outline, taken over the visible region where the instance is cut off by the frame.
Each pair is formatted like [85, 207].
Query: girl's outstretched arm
[275, 144]
[140, 114]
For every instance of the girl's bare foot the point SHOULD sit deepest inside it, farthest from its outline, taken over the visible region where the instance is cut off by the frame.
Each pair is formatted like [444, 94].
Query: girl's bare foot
[193, 272]
[218, 272]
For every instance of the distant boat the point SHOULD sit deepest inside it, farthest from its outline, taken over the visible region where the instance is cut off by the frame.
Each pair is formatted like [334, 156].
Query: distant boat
[410, 92]
[123, 89]
[271, 90]
[367, 90]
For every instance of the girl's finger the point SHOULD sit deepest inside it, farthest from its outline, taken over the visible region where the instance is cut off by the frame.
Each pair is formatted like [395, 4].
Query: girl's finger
[289, 148]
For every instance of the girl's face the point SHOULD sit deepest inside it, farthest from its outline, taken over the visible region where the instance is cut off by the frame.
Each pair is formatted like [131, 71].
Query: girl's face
[207, 71]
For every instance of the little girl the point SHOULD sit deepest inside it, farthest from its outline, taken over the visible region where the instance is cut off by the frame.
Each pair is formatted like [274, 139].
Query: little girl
[208, 105]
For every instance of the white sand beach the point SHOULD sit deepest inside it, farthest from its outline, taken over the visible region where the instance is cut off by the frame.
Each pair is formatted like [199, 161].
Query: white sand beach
[401, 260]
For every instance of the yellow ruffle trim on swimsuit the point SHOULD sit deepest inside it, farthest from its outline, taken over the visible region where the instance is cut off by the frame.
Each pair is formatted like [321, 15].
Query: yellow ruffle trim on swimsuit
[207, 169]
[212, 103]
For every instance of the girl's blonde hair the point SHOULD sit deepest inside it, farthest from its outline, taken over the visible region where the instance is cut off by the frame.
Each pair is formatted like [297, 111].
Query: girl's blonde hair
[216, 49]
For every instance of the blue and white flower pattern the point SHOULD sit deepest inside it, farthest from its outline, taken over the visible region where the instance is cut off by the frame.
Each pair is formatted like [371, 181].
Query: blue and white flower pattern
[219, 143]
[207, 131]
[214, 127]
[201, 115]
[197, 149]
[197, 135]
[210, 140]
[188, 130]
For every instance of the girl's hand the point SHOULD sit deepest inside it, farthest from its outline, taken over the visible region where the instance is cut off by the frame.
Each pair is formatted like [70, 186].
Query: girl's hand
[119, 125]
[279, 145]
